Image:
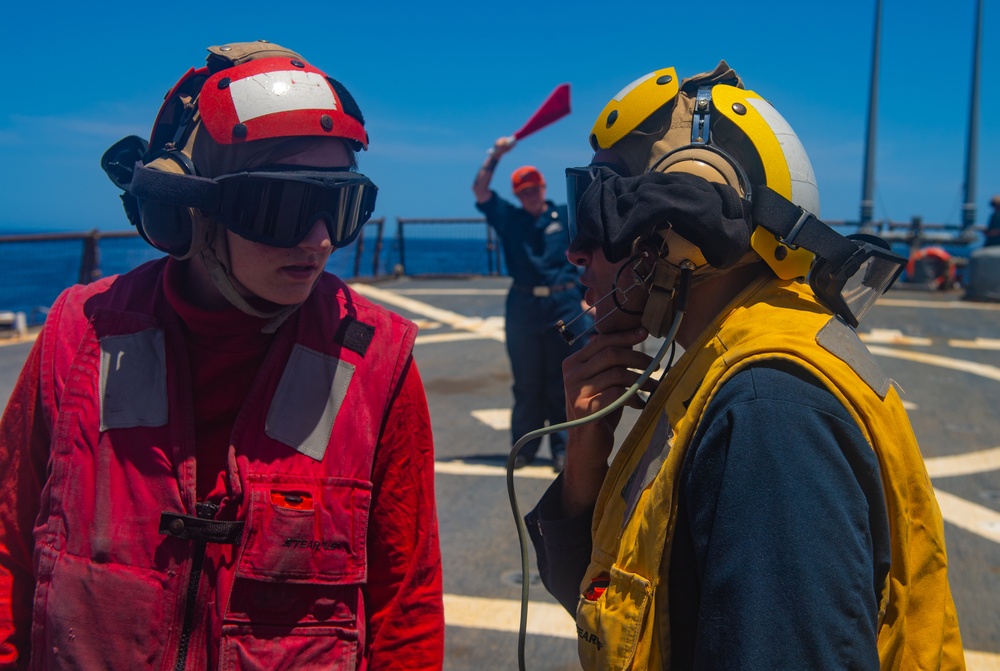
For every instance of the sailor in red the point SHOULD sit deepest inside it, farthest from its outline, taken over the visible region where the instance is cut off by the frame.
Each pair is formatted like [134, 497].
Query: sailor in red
[223, 459]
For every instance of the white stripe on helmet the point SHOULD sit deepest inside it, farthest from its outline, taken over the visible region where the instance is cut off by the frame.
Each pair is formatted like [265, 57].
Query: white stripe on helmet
[285, 91]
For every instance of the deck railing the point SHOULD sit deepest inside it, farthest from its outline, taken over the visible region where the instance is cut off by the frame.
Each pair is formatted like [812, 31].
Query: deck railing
[446, 247]
[34, 268]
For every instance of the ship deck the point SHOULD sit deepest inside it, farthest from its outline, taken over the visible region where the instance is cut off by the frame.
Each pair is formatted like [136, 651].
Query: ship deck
[943, 351]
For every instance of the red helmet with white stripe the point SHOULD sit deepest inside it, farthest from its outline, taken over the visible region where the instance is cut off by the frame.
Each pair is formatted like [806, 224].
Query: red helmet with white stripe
[250, 101]
[278, 97]
[259, 99]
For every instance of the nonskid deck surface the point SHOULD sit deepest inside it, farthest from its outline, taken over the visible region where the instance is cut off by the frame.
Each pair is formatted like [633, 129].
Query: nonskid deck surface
[943, 351]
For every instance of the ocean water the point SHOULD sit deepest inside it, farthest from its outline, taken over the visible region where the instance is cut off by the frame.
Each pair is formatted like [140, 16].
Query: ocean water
[32, 274]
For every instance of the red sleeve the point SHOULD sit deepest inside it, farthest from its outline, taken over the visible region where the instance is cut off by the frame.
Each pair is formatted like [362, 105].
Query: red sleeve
[24, 450]
[403, 597]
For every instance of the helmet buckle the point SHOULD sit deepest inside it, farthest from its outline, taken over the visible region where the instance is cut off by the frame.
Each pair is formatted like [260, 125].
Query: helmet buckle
[701, 123]
[794, 233]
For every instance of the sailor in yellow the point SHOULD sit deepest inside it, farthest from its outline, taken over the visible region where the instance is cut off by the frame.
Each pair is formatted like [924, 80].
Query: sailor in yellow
[770, 508]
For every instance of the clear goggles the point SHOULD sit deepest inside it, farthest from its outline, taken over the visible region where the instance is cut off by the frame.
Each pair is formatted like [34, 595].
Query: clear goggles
[577, 181]
[851, 289]
[279, 208]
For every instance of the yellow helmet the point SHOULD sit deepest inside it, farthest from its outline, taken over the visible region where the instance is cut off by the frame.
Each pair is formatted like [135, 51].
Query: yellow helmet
[711, 126]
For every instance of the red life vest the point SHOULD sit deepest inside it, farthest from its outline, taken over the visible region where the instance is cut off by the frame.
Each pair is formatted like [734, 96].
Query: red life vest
[128, 576]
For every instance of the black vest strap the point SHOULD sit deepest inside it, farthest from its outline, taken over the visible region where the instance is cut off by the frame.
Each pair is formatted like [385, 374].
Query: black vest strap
[187, 527]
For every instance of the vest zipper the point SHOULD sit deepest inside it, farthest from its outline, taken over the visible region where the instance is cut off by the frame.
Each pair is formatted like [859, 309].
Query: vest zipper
[205, 511]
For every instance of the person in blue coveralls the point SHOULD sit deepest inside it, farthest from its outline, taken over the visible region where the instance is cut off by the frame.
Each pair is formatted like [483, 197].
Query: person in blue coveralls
[993, 227]
[545, 290]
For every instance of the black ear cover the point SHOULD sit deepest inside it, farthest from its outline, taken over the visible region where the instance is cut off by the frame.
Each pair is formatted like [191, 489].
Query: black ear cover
[118, 163]
[165, 226]
[711, 216]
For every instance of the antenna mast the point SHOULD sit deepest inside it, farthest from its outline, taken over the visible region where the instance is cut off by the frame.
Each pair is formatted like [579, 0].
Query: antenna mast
[971, 153]
[867, 197]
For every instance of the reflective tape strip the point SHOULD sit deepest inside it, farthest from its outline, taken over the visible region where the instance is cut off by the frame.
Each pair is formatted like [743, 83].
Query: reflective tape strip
[133, 380]
[307, 401]
[285, 91]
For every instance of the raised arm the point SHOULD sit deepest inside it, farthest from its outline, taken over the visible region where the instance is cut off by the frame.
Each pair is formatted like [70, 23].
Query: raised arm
[481, 186]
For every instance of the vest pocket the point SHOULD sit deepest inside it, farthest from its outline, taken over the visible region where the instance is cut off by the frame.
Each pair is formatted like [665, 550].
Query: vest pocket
[265, 647]
[304, 529]
[99, 616]
[609, 622]
[296, 597]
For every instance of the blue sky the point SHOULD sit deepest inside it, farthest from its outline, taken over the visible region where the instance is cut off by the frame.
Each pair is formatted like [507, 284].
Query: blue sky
[439, 82]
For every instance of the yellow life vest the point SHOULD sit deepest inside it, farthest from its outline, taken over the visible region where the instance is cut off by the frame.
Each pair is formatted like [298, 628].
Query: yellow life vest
[623, 613]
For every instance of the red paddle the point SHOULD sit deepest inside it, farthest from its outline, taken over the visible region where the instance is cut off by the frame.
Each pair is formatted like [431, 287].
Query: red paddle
[555, 107]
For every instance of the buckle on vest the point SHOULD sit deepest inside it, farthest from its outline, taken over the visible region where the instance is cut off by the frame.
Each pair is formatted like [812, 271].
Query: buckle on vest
[187, 527]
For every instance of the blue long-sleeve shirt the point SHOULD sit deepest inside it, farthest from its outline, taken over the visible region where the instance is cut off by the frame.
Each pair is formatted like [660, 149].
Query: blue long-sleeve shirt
[534, 248]
[782, 539]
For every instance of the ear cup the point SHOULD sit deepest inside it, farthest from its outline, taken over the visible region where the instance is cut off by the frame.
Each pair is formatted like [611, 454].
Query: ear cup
[174, 229]
[713, 166]
[707, 163]
[169, 228]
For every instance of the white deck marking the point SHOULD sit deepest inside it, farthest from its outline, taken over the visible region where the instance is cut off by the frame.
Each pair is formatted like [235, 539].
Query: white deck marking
[544, 619]
[980, 369]
[547, 619]
[982, 661]
[498, 418]
[32, 336]
[892, 337]
[465, 468]
[435, 338]
[486, 328]
[978, 343]
[937, 305]
[970, 516]
[964, 464]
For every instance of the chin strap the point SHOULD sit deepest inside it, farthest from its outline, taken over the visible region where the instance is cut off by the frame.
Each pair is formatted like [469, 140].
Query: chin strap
[218, 271]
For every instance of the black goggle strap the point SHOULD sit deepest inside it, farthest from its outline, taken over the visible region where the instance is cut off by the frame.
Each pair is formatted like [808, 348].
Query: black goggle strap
[796, 227]
[174, 189]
